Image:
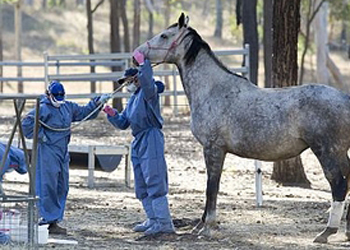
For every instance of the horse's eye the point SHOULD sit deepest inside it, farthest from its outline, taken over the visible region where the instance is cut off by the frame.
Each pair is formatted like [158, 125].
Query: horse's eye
[163, 36]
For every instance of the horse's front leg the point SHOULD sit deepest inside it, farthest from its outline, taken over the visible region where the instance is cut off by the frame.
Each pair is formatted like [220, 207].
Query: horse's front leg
[214, 159]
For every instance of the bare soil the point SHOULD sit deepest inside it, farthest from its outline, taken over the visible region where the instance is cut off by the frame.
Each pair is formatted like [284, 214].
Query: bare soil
[103, 217]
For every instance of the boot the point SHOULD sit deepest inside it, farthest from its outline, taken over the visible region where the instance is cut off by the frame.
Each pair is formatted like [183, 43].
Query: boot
[164, 223]
[54, 228]
[147, 206]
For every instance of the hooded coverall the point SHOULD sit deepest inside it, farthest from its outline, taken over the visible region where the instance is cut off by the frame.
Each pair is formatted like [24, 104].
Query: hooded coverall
[52, 177]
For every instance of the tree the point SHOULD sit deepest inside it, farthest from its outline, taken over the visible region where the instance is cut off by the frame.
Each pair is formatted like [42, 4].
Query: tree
[246, 14]
[268, 4]
[286, 24]
[150, 8]
[18, 41]
[115, 43]
[219, 21]
[167, 11]
[90, 28]
[311, 13]
[137, 21]
[125, 25]
[321, 41]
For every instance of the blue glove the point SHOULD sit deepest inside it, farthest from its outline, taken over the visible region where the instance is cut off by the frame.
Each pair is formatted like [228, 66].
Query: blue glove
[130, 72]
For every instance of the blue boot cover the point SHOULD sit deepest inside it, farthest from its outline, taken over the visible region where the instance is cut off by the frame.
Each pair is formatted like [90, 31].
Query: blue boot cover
[164, 223]
[147, 206]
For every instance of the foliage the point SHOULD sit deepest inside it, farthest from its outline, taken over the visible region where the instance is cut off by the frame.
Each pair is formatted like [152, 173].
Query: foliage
[8, 1]
[339, 10]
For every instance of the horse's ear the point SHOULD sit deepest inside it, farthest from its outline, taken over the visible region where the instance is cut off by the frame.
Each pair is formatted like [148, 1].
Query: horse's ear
[187, 19]
[181, 20]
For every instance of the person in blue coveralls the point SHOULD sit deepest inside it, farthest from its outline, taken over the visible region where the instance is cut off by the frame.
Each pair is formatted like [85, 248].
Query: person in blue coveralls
[15, 161]
[142, 114]
[52, 177]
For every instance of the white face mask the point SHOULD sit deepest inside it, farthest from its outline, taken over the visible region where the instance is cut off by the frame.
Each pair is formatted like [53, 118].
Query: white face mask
[131, 88]
[54, 102]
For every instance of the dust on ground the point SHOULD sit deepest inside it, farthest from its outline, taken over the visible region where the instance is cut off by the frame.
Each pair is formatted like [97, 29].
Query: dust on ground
[103, 217]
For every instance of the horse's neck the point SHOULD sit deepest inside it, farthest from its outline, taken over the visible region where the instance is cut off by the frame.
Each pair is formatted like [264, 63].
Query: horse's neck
[202, 76]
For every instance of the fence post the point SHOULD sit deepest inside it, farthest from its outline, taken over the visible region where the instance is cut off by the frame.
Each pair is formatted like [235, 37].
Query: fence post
[46, 69]
[247, 60]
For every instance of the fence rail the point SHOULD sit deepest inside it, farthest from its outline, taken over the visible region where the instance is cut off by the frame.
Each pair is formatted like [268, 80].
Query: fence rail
[122, 60]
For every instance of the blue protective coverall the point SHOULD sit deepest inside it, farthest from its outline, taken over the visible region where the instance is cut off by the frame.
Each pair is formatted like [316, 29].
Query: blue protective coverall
[52, 177]
[142, 114]
[15, 160]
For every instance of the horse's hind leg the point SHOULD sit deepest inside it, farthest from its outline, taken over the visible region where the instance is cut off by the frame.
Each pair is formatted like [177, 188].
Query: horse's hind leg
[332, 165]
[214, 159]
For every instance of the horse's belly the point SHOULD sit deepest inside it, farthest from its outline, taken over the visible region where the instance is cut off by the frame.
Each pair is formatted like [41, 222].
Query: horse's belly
[270, 151]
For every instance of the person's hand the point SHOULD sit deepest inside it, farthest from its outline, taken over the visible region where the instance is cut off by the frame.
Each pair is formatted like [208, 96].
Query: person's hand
[104, 98]
[110, 111]
[139, 57]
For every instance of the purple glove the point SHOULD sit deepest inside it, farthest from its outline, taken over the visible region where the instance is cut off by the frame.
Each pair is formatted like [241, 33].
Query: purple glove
[138, 57]
[108, 110]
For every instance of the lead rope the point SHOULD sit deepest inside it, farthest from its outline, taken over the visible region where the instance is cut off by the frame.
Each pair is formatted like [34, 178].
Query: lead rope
[125, 81]
[111, 95]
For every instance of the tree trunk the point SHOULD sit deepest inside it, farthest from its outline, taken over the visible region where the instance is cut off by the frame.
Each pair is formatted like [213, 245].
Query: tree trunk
[137, 21]
[62, 3]
[125, 25]
[115, 44]
[166, 66]
[309, 17]
[18, 41]
[90, 41]
[150, 16]
[44, 4]
[206, 8]
[286, 24]
[219, 21]
[250, 34]
[268, 4]
[321, 40]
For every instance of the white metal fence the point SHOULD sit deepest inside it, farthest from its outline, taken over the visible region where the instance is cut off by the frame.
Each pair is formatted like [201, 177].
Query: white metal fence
[54, 67]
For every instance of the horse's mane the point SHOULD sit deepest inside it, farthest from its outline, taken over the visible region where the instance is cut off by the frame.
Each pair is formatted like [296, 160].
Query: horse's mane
[197, 44]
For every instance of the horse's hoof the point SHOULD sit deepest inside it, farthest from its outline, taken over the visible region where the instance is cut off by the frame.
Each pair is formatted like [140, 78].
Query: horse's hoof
[320, 239]
[323, 236]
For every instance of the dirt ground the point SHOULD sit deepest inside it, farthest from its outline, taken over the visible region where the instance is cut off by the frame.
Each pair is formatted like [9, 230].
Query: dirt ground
[102, 218]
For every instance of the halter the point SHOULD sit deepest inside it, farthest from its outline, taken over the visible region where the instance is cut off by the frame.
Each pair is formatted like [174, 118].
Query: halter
[172, 46]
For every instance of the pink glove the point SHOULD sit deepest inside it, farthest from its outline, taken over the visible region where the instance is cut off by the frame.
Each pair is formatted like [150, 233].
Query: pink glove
[138, 57]
[108, 110]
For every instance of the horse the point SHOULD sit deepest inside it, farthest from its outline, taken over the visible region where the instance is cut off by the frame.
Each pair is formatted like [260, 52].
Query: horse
[229, 114]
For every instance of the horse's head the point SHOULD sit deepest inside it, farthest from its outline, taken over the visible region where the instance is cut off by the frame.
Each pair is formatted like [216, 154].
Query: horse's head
[167, 46]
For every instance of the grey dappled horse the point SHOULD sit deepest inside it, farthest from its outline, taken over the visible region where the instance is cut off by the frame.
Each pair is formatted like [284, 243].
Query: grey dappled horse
[229, 114]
